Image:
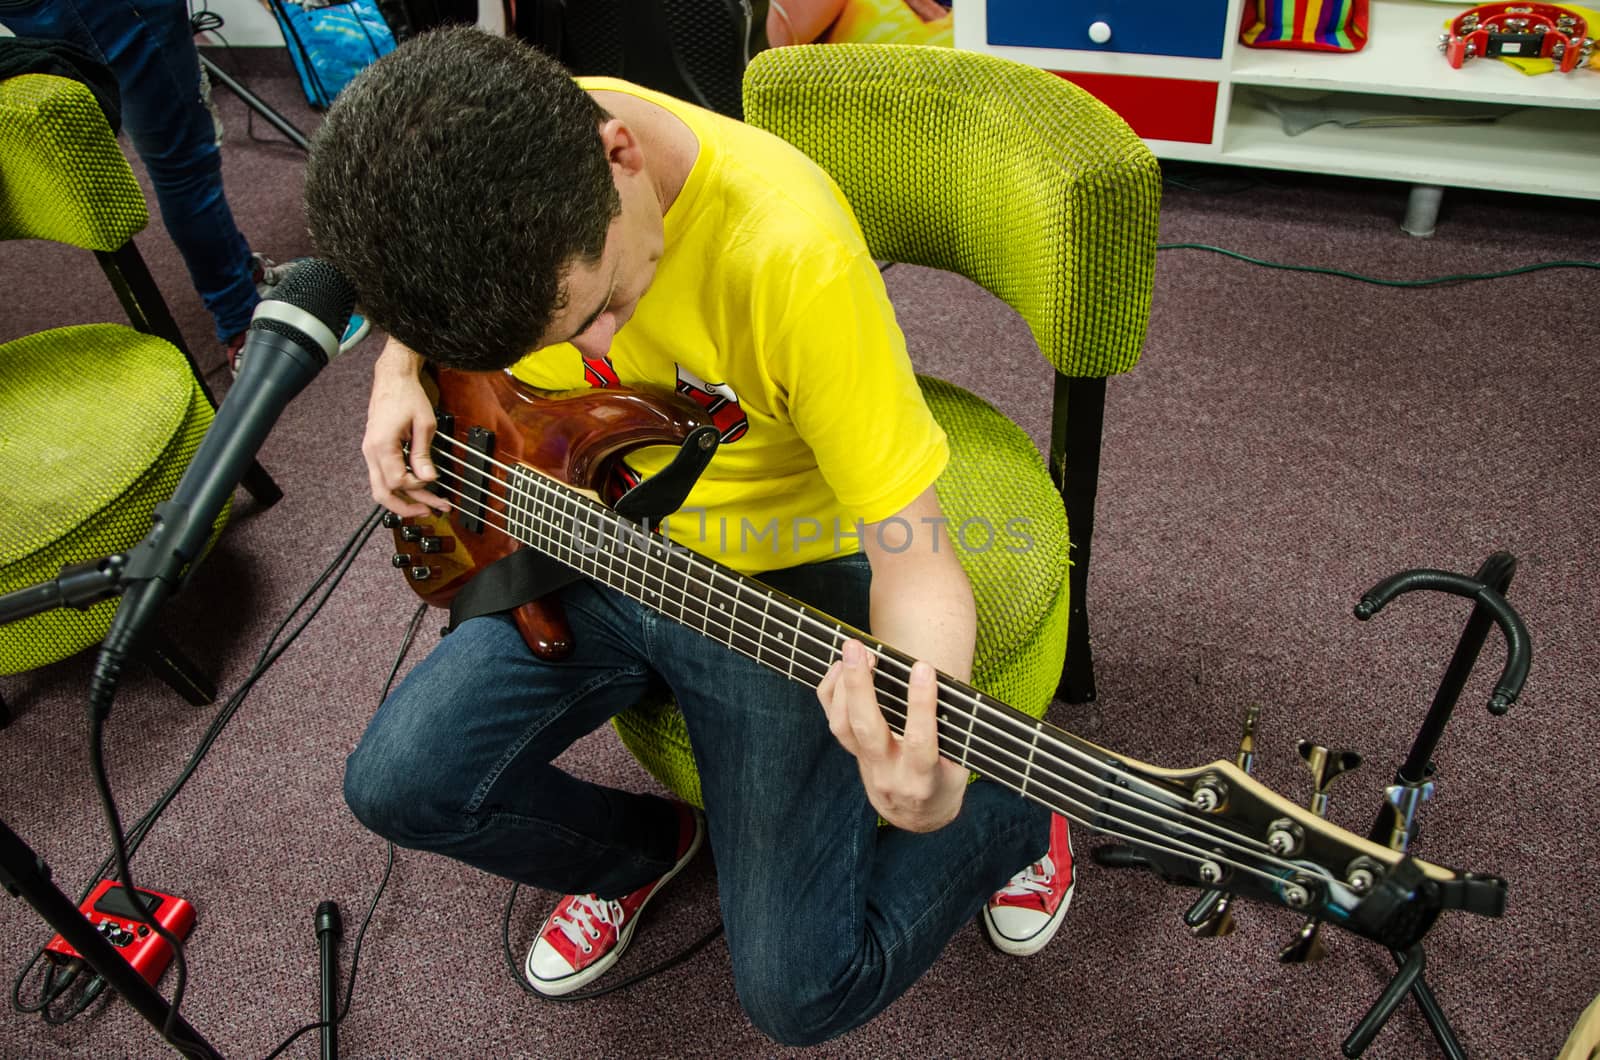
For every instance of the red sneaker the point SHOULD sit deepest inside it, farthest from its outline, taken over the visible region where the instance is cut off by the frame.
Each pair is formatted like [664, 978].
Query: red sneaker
[1024, 915]
[230, 350]
[585, 935]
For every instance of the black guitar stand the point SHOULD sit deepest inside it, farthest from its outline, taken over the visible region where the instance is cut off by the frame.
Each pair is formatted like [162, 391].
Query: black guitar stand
[1395, 826]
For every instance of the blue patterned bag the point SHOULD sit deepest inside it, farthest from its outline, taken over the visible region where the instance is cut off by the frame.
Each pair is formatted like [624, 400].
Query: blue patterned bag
[329, 43]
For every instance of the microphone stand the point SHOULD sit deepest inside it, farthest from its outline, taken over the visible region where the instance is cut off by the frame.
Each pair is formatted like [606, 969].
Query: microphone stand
[24, 874]
[255, 103]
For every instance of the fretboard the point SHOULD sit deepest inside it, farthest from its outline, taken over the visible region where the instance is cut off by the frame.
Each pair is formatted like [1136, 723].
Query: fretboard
[1029, 756]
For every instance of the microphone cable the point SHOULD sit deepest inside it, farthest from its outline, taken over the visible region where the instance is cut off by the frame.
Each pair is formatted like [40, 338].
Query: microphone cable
[125, 846]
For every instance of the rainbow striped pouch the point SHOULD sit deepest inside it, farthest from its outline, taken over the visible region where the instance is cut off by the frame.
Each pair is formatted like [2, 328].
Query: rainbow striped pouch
[1310, 25]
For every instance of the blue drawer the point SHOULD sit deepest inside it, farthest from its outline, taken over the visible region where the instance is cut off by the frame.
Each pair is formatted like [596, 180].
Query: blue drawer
[1193, 28]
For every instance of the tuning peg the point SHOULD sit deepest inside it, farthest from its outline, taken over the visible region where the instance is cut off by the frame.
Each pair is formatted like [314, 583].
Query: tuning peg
[1404, 801]
[1211, 915]
[1307, 947]
[1325, 766]
[1246, 759]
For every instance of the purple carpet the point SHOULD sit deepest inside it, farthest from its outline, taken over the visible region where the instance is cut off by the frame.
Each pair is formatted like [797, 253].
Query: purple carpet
[1288, 440]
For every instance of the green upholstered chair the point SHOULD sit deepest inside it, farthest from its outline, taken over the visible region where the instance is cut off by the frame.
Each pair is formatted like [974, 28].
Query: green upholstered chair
[97, 420]
[1030, 187]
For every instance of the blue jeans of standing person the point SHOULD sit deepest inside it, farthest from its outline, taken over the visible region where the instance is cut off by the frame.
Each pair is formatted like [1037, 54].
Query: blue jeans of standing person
[828, 917]
[150, 48]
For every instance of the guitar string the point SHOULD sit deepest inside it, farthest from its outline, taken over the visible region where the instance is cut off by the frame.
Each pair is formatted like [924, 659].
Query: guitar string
[1086, 813]
[1100, 787]
[1226, 836]
[734, 617]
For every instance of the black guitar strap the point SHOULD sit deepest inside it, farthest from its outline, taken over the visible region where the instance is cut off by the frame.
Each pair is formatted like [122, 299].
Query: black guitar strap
[528, 574]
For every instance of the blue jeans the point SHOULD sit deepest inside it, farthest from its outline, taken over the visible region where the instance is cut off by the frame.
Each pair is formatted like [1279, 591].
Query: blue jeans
[148, 45]
[828, 917]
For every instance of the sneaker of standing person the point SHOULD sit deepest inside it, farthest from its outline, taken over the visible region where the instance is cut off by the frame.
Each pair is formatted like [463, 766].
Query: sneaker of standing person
[586, 934]
[1025, 914]
[267, 274]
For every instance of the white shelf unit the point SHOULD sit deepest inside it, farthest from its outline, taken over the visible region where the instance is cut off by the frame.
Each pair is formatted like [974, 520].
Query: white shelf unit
[1547, 140]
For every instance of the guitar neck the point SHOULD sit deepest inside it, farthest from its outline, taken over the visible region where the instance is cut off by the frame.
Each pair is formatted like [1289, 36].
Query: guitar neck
[1036, 760]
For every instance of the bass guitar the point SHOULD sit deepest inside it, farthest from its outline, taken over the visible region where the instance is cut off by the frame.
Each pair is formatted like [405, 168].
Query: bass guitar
[524, 468]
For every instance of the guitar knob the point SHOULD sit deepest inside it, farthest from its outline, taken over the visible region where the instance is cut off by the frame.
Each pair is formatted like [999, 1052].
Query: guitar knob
[390, 520]
[436, 544]
[399, 561]
[411, 532]
[420, 573]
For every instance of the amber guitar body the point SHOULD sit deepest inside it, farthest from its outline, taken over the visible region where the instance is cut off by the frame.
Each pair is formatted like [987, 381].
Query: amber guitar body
[577, 436]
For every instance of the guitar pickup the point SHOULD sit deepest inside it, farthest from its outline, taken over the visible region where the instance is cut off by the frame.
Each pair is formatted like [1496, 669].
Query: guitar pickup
[476, 477]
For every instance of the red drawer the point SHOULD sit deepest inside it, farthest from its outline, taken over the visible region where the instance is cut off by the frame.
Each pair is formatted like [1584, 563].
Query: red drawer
[1157, 108]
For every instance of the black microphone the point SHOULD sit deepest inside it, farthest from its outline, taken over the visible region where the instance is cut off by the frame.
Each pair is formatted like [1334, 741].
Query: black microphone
[292, 336]
[329, 929]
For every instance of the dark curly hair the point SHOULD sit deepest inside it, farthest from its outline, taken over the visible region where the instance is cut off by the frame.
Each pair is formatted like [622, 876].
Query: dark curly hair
[454, 182]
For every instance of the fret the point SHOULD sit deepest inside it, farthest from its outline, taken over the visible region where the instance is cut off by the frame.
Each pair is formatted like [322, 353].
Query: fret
[517, 504]
[1009, 737]
[727, 606]
[743, 631]
[966, 746]
[684, 579]
[579, 543]
[794, 645]
[705, 604]
[642, 564]
[627, 541]
[602, 544]
[761, 632]
[1027, 767]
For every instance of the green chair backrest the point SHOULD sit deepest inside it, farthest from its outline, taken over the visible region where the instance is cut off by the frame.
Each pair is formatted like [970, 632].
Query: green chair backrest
[63, 176]
[1007, 174]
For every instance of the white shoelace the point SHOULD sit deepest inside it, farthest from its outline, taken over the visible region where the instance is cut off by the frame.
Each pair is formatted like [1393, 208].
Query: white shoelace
[583, 917]
[1035, 879]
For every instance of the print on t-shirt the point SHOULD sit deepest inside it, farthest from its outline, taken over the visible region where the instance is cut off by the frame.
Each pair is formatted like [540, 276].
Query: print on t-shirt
[718, 399]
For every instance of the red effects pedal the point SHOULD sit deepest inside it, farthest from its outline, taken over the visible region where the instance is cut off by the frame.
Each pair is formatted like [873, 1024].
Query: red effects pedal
[111, 911]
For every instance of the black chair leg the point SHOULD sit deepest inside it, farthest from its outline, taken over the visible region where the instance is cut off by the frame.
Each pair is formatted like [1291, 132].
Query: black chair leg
[175, 668]
[259, 484]
[1075, 435]
[136, 289]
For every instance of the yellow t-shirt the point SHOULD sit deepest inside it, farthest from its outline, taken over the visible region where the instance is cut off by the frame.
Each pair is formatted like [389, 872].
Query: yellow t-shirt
[888, 22]
[767, 309]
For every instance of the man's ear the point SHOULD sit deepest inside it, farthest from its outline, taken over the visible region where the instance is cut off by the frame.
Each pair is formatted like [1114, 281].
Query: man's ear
[621, 145]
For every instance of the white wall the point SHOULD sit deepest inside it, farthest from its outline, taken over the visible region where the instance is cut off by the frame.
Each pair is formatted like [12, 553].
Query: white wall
[246, 23]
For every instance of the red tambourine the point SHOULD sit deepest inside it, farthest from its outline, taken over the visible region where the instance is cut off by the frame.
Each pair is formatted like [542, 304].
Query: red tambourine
[1542, 31]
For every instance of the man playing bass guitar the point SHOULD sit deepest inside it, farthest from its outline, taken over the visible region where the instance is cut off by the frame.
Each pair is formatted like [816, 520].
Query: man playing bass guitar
[494, 213]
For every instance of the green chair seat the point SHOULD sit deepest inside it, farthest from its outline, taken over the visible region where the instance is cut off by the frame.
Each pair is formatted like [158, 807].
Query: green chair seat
[85, 456]
[1010, 530]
